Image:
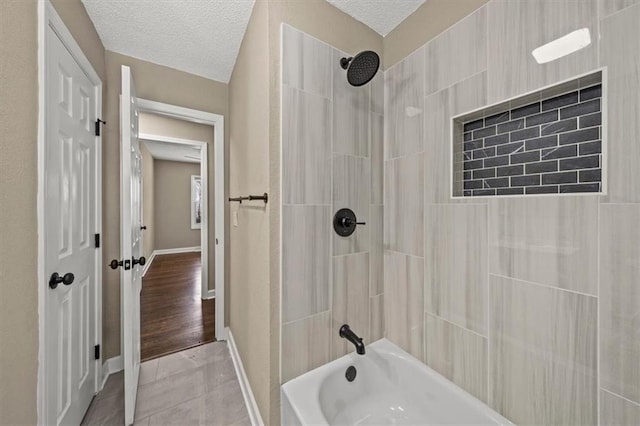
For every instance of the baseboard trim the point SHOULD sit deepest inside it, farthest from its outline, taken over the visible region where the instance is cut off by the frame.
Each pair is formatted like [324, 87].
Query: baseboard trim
[211, 294]
[177, 250]
[247, 393]
[147, 265]
[111, 366]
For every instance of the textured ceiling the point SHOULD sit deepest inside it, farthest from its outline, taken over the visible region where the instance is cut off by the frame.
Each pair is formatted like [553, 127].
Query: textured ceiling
[172, 151]
[201, 37]
[380, 15]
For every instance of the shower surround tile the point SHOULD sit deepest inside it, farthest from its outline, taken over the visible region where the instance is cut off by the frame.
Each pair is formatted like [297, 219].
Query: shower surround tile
[609, 7]
[306, 62]
[517, 27]
[546, 240]
[306, 266]
[543, 346]
[620, 299]
[457, 354]
[306, 345]
[306, 148]
[468, 39]
[404, 301]
[350, 113]
[404, 205]
[350, 300]
[615, 410]
[376, 264]
[456, 264]
[376, 319]
[377, 160]
[622, 60]
[377, 93]
[404, 109]
[352, 189]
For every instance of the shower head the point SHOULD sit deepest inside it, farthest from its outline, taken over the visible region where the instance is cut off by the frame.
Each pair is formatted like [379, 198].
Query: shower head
[361, 68]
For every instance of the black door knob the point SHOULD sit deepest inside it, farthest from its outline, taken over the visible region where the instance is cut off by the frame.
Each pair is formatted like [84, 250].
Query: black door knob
[141, 261]
[115, 263]
[56, 279]
[144, 228]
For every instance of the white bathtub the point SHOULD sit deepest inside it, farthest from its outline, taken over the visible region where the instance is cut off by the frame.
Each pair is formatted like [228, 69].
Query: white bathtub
[391, 388]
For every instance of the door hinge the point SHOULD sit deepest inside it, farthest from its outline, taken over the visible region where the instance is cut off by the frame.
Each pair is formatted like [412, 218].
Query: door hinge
[96, 352]
[98, 121]
[96, 240]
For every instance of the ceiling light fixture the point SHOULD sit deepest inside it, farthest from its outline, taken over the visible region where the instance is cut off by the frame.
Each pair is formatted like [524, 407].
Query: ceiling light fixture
[562, 46]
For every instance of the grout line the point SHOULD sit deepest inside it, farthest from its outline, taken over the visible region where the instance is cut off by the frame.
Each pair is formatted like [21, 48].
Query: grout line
[454, 324]
[404, 254]
[621, 397]
[543, 285]
[317, 314]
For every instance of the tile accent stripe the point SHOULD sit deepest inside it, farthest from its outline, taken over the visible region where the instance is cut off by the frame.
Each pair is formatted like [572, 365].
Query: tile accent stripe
[551, 146]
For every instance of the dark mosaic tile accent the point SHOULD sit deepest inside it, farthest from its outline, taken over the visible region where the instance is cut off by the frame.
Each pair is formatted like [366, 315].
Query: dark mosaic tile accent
[483, 133]
[556, 178]
[591, 93]
[542, 167]
[590, 148]
[478, 124]
[548, 147]
[526, 110]
[510, 191]
[543, 142]
[529, 180]
[584, 187]
[510, 170]
[590, 134]
[560, 101]
[497, 140]
[580, 163]
[484, 173]
[562, 152]
[591, 120]
[545, 117]
[525, 157]
[510, 148]
[591, 175]
[497, 118]
[580, 109]
[559, 127]
[542, 190]
[496, 161]
[511, 126]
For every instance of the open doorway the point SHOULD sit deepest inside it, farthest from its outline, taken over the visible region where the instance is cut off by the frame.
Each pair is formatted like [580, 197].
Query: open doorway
[177, 305]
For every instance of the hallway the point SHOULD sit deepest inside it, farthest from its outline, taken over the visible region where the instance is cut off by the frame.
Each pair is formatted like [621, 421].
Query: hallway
[173, 316]
[193, 387]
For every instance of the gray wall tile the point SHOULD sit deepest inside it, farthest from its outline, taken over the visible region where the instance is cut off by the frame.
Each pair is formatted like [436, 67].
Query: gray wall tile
[617, 411]
[352, 189]
[457, 354]
[376, 269]
[609, 7]
[376, 322]
[377, 154]
[306, 345]
[306, 263]
[620, 299]
[404, 201]
[306, 62]
[456, 264]
[306, 148]
[543, 350]
[546, 240]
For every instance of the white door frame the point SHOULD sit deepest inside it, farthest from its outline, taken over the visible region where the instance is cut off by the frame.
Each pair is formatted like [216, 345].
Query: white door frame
[217, 121]
[204, 228]
[49, 18]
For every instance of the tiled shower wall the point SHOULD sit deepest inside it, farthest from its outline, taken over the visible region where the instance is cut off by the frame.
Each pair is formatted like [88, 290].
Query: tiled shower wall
[331, 158]
[532, 304]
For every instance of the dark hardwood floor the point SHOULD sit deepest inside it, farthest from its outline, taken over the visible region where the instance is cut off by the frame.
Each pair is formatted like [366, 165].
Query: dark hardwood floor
[173, 315]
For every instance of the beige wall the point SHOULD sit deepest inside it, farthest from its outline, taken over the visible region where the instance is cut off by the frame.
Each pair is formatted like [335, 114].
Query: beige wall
[249, 307]
[429, 20]
[18, 189]
[172, 204]
[148, 235]
[158, 83]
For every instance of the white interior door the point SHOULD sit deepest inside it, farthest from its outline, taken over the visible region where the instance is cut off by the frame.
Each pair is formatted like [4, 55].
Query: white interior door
[70, 176]
[131, 240]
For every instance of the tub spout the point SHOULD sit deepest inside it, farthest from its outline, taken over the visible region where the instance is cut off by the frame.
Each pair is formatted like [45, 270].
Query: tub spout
[347, 333]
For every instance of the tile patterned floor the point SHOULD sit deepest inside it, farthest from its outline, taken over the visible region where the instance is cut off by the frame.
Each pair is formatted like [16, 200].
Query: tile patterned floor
[193, 387]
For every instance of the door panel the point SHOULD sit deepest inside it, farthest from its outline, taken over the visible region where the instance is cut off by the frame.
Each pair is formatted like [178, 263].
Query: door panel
[131, 240]
[70, 212]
